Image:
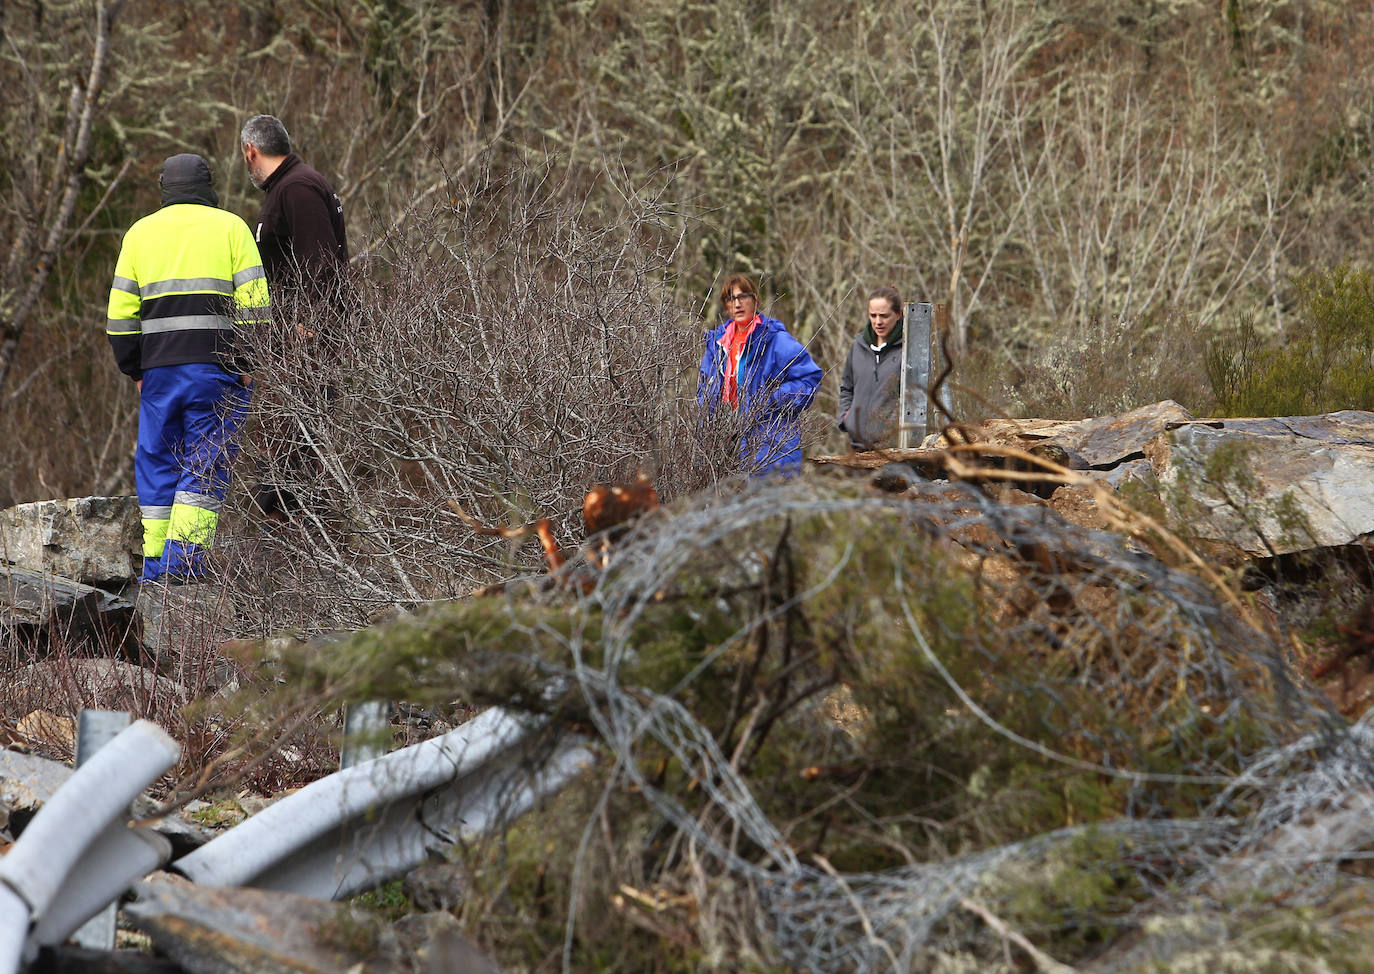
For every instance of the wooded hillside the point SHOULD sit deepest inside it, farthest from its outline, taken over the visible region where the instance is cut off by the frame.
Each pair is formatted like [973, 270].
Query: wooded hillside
[1094, 188]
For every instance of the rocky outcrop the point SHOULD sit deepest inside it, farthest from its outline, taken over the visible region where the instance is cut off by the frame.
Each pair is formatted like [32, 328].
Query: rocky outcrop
[175, 623]
[1274, 486]
[1102, 443]
[64, 568]
[69, 685]
[1263, 486]
[206, 928]
[92, 540]
[67, 576]
[27, 782]
[1268, 486]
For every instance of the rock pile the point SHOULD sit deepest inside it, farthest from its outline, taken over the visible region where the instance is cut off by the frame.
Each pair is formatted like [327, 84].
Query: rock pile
[1261, 487]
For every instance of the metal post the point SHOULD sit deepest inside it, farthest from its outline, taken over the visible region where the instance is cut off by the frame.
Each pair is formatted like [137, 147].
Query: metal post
[364, 725]
[95, 729]
[915, 375]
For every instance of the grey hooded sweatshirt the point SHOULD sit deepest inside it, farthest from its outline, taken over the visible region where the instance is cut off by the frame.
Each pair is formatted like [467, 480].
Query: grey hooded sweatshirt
[869, 389]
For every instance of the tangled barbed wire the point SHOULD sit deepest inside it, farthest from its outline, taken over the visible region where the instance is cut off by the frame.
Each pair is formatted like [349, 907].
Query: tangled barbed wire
[1126, 670]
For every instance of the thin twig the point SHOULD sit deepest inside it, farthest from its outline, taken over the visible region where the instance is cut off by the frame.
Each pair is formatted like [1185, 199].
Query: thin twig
[1043, 961]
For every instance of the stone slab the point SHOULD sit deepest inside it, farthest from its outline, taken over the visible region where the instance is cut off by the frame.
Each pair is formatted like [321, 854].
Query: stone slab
[57, 607]
[93, 540]
[1274, 468]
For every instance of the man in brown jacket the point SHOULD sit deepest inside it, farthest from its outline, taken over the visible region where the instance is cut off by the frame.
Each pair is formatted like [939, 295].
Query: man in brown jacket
[300, 231]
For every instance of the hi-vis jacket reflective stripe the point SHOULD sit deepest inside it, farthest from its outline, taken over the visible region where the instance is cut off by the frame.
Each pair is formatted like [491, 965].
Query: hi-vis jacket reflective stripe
[187, 275]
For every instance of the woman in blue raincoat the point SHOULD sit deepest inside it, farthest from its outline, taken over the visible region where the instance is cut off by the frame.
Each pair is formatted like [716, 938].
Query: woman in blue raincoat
[754, 366]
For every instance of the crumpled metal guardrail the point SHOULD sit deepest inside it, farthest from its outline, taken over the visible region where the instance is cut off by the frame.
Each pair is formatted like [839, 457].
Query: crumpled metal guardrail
[75, 856]
[344, 833]
[377, 820]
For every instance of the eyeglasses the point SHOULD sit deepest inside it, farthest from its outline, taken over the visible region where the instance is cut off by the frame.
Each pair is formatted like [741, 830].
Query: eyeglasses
[743, 296]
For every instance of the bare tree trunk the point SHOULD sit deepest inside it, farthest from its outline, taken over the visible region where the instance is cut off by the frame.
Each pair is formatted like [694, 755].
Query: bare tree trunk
[68, 174]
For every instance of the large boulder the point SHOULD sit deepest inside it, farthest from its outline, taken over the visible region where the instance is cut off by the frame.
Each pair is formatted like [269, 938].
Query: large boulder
[93, 540]
[1099, 443]
[1113, 446]
[28, 782]
[1266, 486]
[1106, 442]
[182, 629]
[1273, 486]
[71, 683]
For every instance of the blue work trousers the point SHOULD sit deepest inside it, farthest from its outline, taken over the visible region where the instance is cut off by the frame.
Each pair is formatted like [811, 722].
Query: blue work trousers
[189, 420]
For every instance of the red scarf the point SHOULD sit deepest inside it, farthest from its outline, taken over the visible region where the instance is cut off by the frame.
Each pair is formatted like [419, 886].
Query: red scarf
[733, 341]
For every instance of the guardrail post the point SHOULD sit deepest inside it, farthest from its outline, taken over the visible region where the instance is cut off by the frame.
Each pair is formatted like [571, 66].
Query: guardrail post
[915, 381]
[364, 724]
[95, 729]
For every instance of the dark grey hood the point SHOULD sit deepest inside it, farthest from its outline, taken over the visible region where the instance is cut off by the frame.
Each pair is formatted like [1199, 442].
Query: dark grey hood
[186, 179]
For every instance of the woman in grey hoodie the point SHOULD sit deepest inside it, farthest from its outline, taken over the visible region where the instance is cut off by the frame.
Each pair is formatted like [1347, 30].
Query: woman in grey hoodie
[872, 375]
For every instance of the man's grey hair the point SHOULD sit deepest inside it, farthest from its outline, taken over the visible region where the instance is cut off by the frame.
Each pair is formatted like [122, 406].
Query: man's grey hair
[267, 134]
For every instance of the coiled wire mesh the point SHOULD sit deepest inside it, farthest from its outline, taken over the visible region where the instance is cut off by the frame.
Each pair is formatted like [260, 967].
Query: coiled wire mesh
[1174, 666]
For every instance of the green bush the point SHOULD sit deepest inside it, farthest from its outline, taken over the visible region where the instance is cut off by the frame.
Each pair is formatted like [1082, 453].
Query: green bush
[1322, 364]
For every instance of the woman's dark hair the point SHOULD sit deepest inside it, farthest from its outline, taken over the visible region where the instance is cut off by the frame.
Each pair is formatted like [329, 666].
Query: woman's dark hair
[890, 295]
[740, 281]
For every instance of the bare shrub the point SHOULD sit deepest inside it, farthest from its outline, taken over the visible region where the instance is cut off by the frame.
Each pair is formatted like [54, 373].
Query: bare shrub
[1097, 369]
[163, 678]
[518, 346]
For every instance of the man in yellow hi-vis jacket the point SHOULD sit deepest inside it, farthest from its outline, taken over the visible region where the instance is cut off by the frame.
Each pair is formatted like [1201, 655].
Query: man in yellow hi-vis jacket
[187, 278]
